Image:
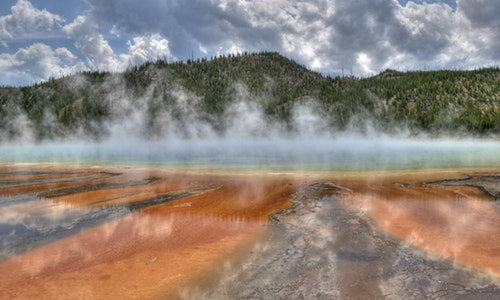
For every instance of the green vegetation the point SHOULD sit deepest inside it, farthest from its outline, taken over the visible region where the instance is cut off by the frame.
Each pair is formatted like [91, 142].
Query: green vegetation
[436, 102]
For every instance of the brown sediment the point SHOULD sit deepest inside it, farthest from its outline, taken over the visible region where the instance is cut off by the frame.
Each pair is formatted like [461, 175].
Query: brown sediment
[144, 257]
[17, 182]
[167, 249]
[489, 183]
[458, 223]
[153, 253]
[326, 246]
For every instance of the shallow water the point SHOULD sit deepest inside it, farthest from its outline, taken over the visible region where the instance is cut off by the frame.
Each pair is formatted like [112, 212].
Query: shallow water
[114, 230]
[279, 154]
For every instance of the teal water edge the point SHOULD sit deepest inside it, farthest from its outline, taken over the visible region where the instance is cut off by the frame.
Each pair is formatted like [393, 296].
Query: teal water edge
[279, 155]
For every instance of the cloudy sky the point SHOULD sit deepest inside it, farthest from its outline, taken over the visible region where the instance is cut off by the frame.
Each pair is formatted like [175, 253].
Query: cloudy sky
[50, 38]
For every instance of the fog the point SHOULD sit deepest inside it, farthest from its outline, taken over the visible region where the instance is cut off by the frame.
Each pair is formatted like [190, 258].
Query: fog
[174, 130]
[340, 153]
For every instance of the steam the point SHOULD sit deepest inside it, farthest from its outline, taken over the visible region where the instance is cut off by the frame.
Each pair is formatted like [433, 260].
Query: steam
[167, 111]
[166, 124]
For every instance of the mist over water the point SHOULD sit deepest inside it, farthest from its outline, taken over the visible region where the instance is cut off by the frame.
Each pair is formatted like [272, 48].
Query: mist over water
[324, 154]
[247, 140]
[143, 132]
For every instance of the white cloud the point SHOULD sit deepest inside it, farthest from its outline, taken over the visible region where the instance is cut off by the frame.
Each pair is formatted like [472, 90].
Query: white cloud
[148, 48]
[101, 56]
[97, 51]
[326, 35]
[365, 62]
[444, 37]
[26, 19]
[38, 62]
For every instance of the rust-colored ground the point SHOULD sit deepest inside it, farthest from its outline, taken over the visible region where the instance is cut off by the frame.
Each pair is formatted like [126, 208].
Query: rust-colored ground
[166, 251]
[458, 223]
[153, 253]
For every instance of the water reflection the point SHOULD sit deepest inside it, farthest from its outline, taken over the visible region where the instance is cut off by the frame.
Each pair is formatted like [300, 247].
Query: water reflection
[132, 252]
[138, 234]
[29, 221]
[463, 229]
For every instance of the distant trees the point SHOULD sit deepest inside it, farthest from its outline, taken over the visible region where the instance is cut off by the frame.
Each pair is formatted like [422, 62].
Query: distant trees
[433, 101]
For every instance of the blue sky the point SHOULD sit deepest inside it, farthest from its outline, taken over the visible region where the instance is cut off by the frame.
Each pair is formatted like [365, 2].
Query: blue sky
[50, 38]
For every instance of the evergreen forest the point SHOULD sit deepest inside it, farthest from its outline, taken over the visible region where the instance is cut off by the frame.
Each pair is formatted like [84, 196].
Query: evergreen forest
[172, 97]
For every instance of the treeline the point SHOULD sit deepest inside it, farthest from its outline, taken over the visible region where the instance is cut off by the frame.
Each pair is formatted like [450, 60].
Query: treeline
[441, 100]
[170, 96]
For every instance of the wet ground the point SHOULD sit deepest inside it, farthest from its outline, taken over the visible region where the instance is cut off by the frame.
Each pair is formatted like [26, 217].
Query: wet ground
[489, 183]
[103, 233]
[118, 233]
[320, 249]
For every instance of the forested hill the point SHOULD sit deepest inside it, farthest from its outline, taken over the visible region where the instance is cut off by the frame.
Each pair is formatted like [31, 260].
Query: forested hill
[161, 99]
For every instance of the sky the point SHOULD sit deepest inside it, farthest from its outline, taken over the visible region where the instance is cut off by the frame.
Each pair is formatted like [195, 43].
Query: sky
[40, 39]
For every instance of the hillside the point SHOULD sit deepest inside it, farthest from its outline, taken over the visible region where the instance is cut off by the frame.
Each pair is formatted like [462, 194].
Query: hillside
[189, 99]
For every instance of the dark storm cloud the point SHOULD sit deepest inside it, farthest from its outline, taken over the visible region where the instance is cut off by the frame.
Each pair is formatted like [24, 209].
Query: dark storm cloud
[363, 36]
[330, 36]
[427, 30]
[481, 13]
[365, 26]
[484, 17]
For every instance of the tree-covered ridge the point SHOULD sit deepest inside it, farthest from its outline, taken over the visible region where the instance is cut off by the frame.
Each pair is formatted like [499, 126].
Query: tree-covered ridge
[161, 98]
[442, 100]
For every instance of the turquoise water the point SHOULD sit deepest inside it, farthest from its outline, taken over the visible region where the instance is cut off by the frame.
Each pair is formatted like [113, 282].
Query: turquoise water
[279, 154]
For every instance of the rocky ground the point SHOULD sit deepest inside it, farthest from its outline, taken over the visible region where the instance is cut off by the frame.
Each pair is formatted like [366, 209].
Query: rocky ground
[320, 249]
[489, 183]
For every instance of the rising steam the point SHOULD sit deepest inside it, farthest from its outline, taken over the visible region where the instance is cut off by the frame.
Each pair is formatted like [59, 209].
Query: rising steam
[167, 124]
